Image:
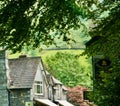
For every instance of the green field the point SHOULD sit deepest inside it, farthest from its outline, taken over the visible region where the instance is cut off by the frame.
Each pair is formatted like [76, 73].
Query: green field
[44, 53]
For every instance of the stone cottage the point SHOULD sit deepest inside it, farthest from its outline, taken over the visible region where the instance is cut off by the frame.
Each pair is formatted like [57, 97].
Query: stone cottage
[25, 82]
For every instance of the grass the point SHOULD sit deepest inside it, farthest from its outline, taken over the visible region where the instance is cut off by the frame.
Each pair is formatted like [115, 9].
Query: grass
[43, 54]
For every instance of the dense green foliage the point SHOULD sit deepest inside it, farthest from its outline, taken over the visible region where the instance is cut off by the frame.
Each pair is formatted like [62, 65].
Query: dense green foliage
[37, 22]
[106, 40]
[67, 68]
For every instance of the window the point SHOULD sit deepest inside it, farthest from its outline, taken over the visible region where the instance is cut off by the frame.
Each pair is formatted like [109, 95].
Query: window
[38, 87]
[58, 90]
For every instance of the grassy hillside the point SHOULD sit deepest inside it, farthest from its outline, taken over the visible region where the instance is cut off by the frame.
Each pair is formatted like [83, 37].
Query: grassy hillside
[83, 60]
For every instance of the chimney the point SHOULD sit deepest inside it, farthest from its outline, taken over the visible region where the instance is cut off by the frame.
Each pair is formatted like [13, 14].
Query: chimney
[22, 56]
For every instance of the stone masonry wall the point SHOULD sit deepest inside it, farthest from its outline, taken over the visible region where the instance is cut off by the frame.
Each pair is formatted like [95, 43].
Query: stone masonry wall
[19, 97]
[3, 81]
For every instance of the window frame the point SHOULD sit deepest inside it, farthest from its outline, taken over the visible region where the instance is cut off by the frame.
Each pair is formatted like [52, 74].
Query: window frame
[40, 85]
[58, 91]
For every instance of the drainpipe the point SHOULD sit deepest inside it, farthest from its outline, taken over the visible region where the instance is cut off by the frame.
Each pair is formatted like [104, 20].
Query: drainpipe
[8, 98]
[53, 92]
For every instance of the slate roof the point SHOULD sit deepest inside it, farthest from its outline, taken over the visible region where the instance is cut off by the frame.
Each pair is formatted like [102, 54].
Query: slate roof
[56, 81]
[22, 71]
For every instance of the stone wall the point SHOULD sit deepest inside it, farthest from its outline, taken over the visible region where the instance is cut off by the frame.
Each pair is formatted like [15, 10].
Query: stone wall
[3, 80]
[19, 97]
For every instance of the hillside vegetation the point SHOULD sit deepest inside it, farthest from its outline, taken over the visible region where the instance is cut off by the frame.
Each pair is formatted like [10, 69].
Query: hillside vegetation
[66, 65]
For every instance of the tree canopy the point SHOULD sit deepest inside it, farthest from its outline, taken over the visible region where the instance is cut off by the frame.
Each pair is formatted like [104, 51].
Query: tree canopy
[105, 37]
[37, 22]
[68, 69]
[106, 28]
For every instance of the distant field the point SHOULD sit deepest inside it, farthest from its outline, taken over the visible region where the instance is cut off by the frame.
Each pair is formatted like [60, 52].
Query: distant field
[43, 54]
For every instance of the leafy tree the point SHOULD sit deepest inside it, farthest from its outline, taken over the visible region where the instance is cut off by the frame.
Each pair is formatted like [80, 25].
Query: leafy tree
[37, 22]
[66, 68]
[105, 36]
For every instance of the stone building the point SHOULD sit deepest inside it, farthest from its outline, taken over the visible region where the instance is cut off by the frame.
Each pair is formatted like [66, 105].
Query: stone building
[25, 82]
